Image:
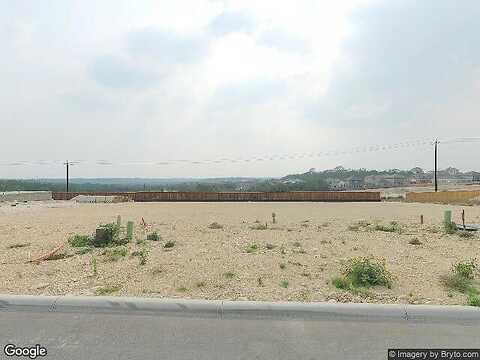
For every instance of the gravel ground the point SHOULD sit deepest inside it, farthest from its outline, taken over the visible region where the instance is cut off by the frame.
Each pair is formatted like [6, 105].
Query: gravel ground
[310, 239]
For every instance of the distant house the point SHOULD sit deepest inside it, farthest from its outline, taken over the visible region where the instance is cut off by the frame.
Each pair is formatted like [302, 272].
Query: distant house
[475, 177]
[355, 183]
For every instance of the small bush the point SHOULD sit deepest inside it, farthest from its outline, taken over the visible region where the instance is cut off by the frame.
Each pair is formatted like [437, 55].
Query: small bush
[142, 255]
[110, 236]
[80, 240]
[282, 266]
[251, 248]
[465, 269]
[200, 284]
[259, 227]
[284, 284]
[297, 244]
[116, 253]
[449, 227]
[473, 299]
[393, 226]
[341, 283]
[456, 282]
[182, 289]
[415, 241]
[465, 234]
[367, 271]
[229, 274]
[83, 251]
[106, 290]
[154, 236]
[215, 225]
[169, 244]
[270, 246]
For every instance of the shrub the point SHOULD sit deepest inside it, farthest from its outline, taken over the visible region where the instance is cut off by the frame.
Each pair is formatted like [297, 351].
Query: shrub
[415, 241]
[284, 284]
[449, 227]
[282, 266]
[393, 226]
[109, 235]
[215, 225]
[80, 240]
[297, 244]
[259, 227]
[106, 290]
[116, 253]
[456, 282]
[154, 236]
[200, 284]
[169, 244]
[465, 269]
[341, 283]
[367, 271]
[465, 234]
[142, 254]
[270, 246]
[229, 274]
[473, 299]
[251, 248]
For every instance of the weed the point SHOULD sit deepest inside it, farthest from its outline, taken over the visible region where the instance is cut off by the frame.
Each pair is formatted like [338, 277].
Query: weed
[284, 284]
[297, 244]
[16, 246]
[465, 234]
[367, 271]
[80, 240]
[251, 248]
[83, 251]
[270, 246]
[182, 289]
[282, 266]
[140, 242]
[283, 251]
[142, 254]
[106, 290]
[341, 283]
[169, 244]
[215, 225]
[415, 241]
[465, 269]
[229, 275]
[94, 265]
[59, 256]
[455, 282]
[154, 236]
[393, 226]
[260, 282]
[200, 284]
[157, 270]
[473, 298]
[259, 227]
[115, 254]
[449, 227]
[108, 235]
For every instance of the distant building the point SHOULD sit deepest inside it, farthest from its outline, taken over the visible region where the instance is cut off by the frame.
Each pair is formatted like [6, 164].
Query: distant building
[475, 177]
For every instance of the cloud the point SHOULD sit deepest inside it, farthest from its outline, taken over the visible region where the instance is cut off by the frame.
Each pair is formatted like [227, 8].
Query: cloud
[115, 72]
[231, 21]
[403, 58]
[167, 47]
[284, 41]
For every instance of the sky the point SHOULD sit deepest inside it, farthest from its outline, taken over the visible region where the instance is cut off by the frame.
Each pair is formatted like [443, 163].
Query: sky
[156, 88]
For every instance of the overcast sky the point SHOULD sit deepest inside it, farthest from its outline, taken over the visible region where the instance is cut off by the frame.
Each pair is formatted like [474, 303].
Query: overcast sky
[123, 80]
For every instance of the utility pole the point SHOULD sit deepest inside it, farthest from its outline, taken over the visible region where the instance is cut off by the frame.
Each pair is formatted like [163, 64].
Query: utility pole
[436, 183]
[67, 164]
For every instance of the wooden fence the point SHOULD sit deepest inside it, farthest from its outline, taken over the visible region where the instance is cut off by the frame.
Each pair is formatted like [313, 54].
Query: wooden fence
[149, 196]
[444, 197]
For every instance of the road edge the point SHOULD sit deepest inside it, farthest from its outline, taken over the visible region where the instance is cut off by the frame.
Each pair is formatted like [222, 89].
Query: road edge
[238, 309]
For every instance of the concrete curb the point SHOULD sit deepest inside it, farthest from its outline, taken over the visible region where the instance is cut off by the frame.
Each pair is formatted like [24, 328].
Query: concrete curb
[240, 309]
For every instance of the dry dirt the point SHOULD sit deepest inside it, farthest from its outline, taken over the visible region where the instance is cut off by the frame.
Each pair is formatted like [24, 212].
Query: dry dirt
[310, 239]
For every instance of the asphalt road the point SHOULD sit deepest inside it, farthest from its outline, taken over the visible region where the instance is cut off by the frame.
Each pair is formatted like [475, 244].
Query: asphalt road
[98, 334]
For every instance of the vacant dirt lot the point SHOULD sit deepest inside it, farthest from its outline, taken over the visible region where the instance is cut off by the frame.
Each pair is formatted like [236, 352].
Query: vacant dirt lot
[295, 258]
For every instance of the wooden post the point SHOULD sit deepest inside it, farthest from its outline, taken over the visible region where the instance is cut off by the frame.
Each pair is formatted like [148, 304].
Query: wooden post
[119, 220]
[463, 218]
[421, 219]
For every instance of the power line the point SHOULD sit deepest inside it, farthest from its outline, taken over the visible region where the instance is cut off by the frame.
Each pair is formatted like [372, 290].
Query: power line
[270, 157]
